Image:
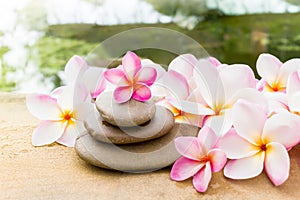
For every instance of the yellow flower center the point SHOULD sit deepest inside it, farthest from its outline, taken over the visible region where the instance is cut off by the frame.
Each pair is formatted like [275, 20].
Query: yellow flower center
[176, 112]
[275, 87]
[68, 116]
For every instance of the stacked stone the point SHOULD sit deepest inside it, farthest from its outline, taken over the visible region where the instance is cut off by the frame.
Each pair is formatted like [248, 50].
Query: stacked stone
[133, 136]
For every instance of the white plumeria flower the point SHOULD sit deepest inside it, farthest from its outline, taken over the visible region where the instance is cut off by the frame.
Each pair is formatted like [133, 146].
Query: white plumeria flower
[177, 96]
[293, 92]
[289, 101]
[218, 88]
[62, 118]
[259, 142]
[274, 74]
[78, 71]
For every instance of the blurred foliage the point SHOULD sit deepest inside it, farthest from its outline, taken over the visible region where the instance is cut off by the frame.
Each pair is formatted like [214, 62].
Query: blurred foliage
[51, 54]
[165, 7]
[3, 50]
[229, 38]
[289, 45]
[5, 85]
[184, 7]
[294, 2]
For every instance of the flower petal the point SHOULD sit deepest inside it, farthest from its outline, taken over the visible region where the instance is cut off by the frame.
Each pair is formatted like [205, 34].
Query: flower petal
[268, 67]
[282, 128]
[191, 107]
[277, 102]
[185, 168]
[94, 80]
[123, 94]
[175, 84]
[220, 124]
[75, 67]
[277, 163]
[146, 75]
[72, 95]
[43, 107]
[116, 76]
[260, 85]
[191, 119]
[141, 92]
[131, 64]
[218, 159]
[209, 83]
[235, 146]
[57, 92]
[251, 95]
[159, 69]
[293, 84]
[47, 132]
[232, 74]
[202, 178]
[294, 103]
[207, 138]
[287, 69]
[70, 134]
[183, 64]
[214, 61]
[189, 148]
[158, 91]
[245, 168]
[249, 120]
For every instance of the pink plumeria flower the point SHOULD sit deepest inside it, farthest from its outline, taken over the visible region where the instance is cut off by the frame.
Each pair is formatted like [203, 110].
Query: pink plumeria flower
[160, 71]
[62, 118]
[200, 157]
[77, 70]
[274, 73]
[259, 142]
[132, 80]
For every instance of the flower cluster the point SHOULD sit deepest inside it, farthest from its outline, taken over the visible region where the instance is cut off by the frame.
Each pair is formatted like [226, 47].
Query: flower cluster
[247, 125]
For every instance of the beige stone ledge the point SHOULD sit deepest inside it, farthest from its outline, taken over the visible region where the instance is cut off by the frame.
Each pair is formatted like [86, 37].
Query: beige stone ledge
[55, 172]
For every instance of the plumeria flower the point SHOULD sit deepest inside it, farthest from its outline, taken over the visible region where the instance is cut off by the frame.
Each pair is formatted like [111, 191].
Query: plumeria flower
[177, 96]
[218, 88]
[289, 101]
[62, 118]
[259, 142]
[78, 71]
[177, 86]
[293, 92]
[215, 61]
[200, 157]
[184, 64]
[132, 80]
[207, 98]
[160, 71]
[274, 73]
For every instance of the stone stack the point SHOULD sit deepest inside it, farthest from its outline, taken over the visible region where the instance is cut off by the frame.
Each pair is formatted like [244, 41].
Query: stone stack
[133, 136]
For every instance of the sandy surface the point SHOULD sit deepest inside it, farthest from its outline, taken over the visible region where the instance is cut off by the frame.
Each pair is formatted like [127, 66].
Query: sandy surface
[56, 172]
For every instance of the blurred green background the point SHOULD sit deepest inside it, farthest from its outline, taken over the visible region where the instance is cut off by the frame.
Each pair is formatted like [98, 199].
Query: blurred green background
[38, 37]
